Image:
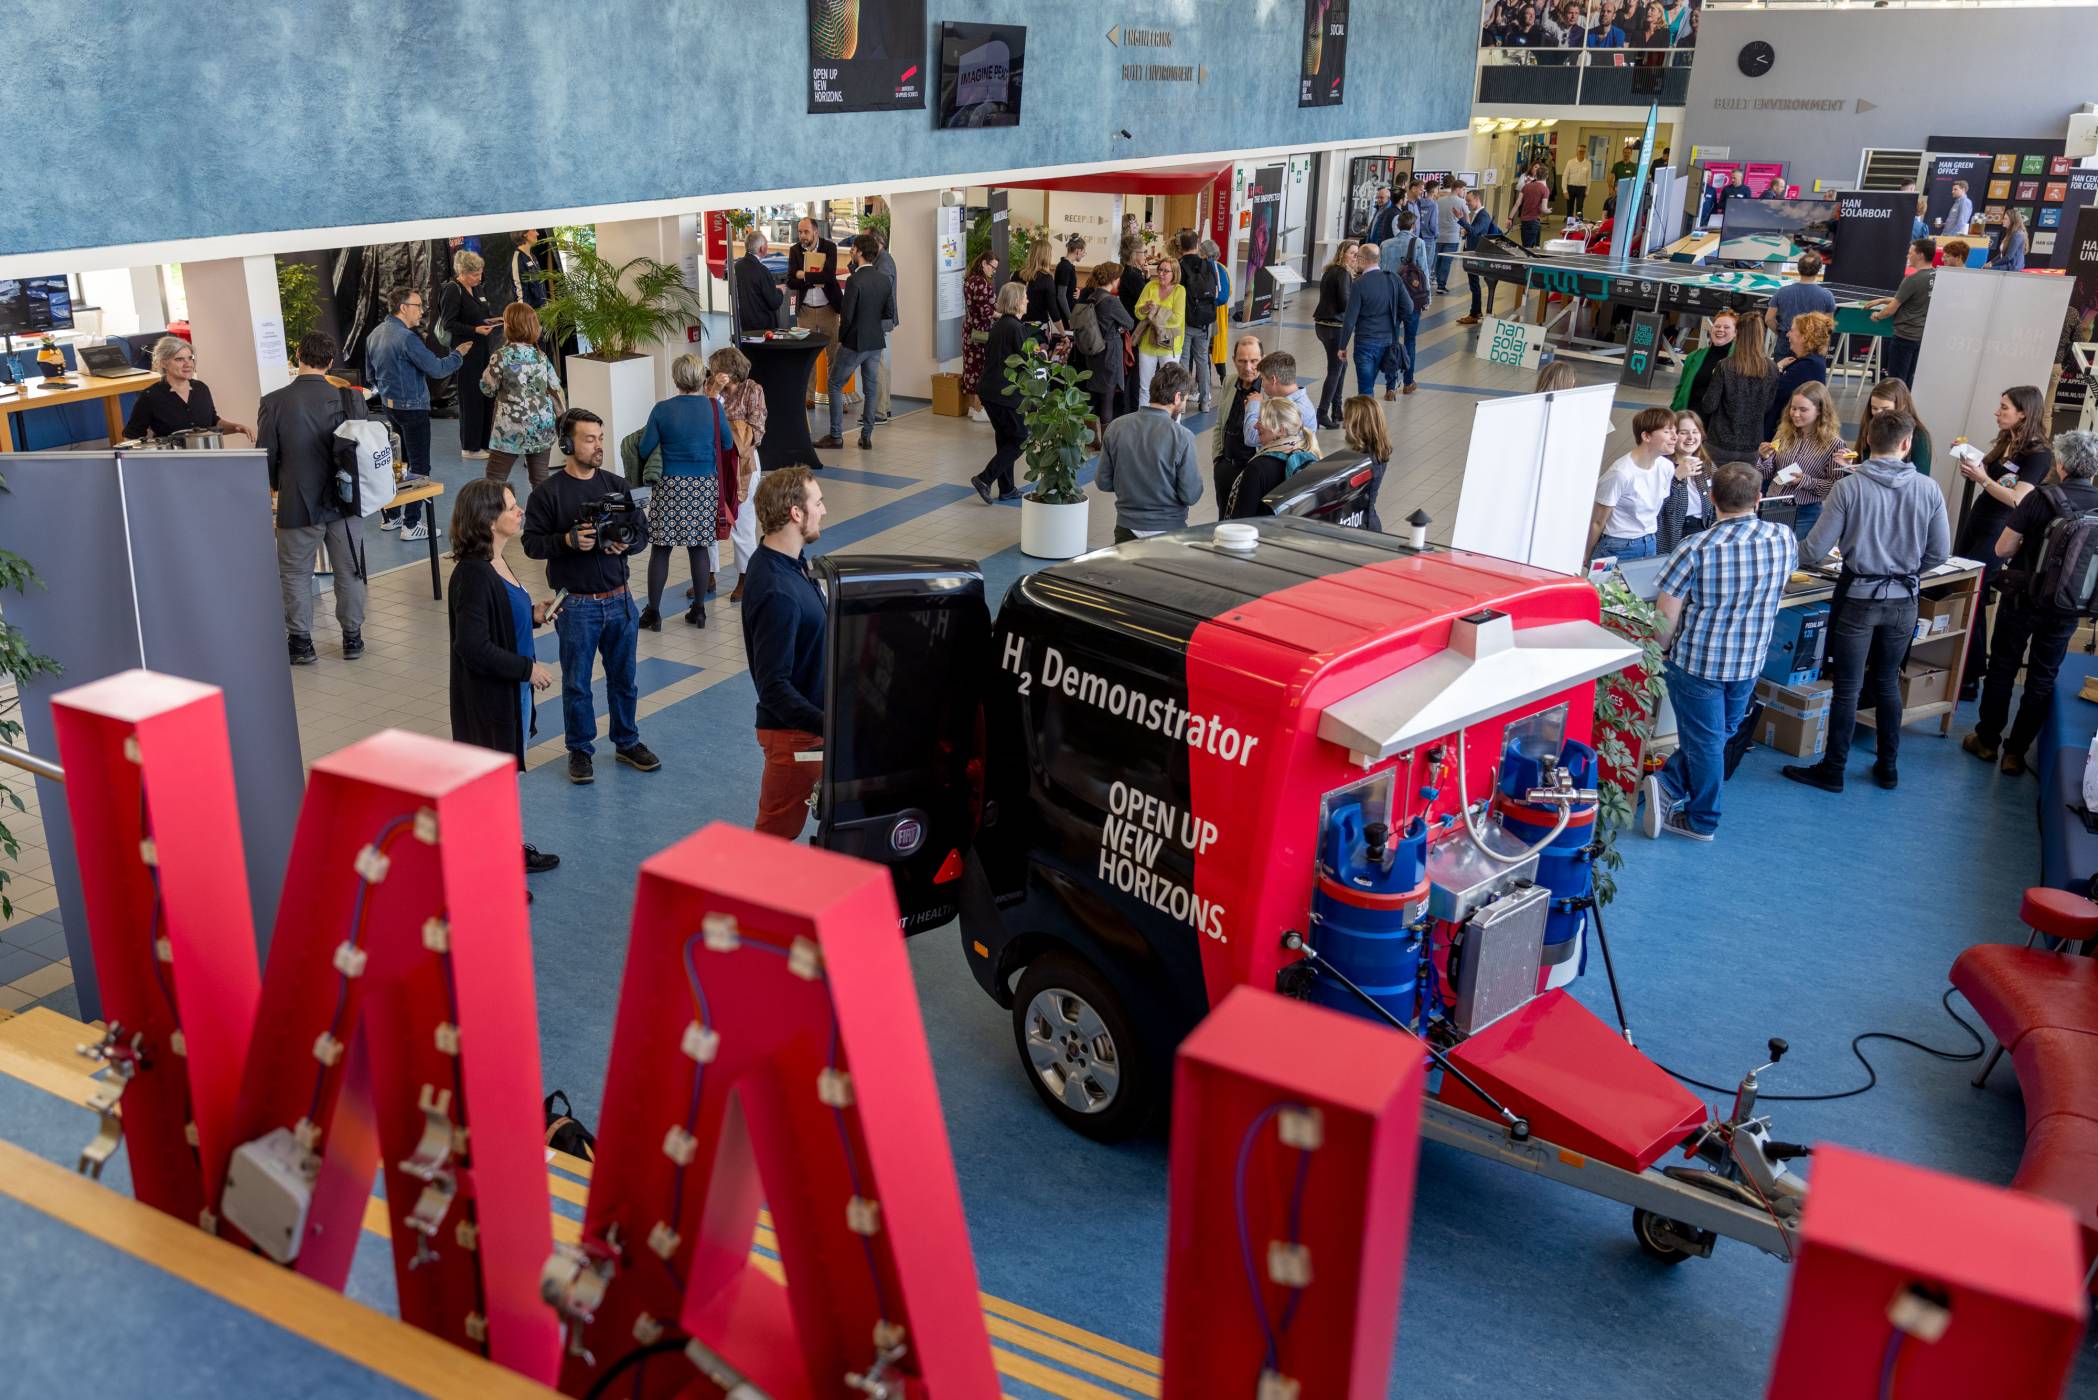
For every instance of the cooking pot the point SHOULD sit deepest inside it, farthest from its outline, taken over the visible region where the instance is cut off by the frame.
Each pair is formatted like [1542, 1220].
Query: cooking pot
[209, 439]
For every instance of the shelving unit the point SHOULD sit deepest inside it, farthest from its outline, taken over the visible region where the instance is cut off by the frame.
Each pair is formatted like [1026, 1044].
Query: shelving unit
[1946, 650]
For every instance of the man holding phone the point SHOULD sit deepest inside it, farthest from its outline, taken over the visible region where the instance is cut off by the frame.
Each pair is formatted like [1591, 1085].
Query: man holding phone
[595, 615]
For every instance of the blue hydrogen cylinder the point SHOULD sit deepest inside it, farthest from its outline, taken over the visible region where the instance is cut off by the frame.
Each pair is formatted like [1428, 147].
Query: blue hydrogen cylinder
[1564, 867]
[1362, 912]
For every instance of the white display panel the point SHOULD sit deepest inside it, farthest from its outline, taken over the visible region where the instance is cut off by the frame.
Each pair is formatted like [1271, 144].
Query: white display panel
[1986, 332]
[1529, 479]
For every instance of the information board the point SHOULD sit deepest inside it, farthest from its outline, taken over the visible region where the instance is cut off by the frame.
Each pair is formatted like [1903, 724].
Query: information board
[1516, 344]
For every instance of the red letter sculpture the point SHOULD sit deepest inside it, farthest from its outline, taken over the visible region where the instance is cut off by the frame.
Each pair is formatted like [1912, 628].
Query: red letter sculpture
[1296, 1131]
[770, 1047]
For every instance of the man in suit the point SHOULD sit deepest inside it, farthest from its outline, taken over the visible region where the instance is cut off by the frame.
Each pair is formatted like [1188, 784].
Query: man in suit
[758, 297]
[1383, 218]
[886, 266]
[869, 308]
[812, 276]
[296, 432]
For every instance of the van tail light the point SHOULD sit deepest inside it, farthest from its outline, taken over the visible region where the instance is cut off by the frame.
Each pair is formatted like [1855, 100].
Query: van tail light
[950, 869]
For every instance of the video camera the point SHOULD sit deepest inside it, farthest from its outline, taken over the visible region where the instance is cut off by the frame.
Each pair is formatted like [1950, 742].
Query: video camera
[620, 519]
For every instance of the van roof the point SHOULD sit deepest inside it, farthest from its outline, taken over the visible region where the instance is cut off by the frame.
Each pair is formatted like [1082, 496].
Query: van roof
[1310, 586]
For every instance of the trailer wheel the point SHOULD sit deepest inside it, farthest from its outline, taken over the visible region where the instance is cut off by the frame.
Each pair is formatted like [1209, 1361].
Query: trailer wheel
[1081, 1050]
[1649, 1229]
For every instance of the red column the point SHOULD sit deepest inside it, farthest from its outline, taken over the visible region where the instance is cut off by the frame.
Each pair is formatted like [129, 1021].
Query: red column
[1295, 1136]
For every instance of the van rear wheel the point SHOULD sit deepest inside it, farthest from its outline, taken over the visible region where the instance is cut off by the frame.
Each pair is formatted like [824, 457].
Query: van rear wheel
[1081, 1050]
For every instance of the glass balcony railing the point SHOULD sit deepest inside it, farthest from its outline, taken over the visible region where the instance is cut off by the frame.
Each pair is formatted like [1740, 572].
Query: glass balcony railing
[1568, 77]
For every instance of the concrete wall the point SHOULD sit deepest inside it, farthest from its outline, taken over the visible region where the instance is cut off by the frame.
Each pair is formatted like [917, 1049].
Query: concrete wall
[1890, 78]
[248, 117]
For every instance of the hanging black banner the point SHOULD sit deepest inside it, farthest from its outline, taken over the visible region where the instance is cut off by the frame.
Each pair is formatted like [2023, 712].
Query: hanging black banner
[1872, 239]
[1325, 53]
[866, 55]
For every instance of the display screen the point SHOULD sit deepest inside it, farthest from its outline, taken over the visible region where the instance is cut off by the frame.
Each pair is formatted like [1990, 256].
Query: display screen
[866, 55]
[33, 305]
[1777, 230]
[980, 72]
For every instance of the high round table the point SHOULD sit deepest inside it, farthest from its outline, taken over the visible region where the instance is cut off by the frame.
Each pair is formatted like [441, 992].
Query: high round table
[781, 369]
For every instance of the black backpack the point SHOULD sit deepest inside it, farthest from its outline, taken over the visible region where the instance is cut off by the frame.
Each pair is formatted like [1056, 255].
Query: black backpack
[2065, 576]
[564, 1133]
[1201, 277]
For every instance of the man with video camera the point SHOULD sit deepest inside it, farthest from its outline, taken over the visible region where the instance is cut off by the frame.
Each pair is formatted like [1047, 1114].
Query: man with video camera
[583, 522]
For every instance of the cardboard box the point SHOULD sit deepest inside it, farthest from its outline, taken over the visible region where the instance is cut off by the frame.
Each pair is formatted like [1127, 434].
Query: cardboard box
[1802, 736]
[1923, 685]
[1947, 614]
[947, 399]
[1803, 701]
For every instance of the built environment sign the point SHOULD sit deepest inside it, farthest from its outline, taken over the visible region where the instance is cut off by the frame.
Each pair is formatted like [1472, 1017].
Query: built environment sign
[866, 55]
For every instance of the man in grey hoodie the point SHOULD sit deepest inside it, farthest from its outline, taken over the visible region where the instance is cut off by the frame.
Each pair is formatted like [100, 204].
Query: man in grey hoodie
[1147, 461]
[1890, 523]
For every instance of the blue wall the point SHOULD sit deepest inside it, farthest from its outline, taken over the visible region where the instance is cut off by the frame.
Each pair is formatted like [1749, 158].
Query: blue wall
[240, 116]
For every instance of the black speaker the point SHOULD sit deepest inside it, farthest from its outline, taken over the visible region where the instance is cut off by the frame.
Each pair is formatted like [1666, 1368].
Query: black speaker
[1646, 82]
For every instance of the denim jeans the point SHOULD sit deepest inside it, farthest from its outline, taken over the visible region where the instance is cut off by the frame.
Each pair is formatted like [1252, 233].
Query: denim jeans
[1644, 547]
[843, 365]
[1899, 358]
[414, 427]
[1707, 713]
[2038, 637]
[1409, 328]
[1862, 631]
[1373, 357]
[1532, 232]
[1443, 257]
[590, 628]
[1806, 513]
[1194, 353]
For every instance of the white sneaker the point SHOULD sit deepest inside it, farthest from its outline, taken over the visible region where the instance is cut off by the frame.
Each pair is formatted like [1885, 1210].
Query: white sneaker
[977, 415]
[1657, 806]
[393, 524]
[473, 456]
[420, 532]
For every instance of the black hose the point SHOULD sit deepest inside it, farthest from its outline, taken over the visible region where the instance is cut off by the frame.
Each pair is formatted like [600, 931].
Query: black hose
[1871, 1075]
[602, 1386]
[1602, 940]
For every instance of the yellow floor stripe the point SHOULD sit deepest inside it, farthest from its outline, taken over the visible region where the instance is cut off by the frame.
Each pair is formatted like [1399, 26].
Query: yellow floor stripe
[1042, 1377]
[1075, 1357]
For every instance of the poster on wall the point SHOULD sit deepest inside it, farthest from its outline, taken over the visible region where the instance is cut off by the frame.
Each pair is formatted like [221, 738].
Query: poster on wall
[1872, 239]
[1974, 170]
[866, 55]
[1365, 175]
[1264, 203]
[1325, 53]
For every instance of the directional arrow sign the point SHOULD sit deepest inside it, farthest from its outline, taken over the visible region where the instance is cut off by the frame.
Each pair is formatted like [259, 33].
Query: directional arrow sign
[1864, 106]
[1113, 36]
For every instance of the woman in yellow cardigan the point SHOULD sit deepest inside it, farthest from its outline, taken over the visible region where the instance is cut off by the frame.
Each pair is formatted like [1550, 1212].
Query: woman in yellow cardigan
[1161, 310]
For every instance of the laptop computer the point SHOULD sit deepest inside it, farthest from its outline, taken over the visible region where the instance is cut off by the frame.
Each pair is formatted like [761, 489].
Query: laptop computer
[108, 362]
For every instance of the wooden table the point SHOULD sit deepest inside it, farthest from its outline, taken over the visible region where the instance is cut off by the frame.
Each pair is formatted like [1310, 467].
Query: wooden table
[84, 386]
[424, 491]
[1947, 649]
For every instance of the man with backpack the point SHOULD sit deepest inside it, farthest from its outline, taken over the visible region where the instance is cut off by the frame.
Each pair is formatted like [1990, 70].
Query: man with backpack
[1889, 520]
[1405, 256]
[296, 432]
[1199, 276]
[2052, 539]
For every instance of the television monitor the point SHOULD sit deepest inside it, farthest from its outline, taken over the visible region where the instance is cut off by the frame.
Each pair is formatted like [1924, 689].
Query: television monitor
[981, 66]
[1776, 230]
[33, 305]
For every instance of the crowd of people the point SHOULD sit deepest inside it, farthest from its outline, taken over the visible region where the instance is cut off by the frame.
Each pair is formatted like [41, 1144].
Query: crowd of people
[1595, 24]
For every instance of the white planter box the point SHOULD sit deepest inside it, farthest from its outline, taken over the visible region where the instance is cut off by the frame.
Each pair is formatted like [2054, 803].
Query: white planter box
[1052, 532]
[619, 391]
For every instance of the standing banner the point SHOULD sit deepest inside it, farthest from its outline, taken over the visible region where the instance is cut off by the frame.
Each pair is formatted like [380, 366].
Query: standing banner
[1872, 239]
[1641, 348]
[1002, 236]
[2081, 323]
[1986, 331]
[1264, 201]
[866, 55]
[948, 301]
[1529, 479]
[2054, 236]
[1631, 199]
[1943, 171]
[1325, 53]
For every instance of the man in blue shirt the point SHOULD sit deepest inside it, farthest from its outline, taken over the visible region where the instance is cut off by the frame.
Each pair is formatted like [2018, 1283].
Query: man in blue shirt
[400, 367]
[1278, 380]
[1960, 217]
[1372, 324]
[784, 620]
[1718, 601]
[1449, 229]
[1798, 298]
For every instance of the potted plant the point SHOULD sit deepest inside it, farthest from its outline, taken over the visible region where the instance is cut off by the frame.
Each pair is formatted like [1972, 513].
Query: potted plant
[1625, 706]
[1057, 413]
[615, 312]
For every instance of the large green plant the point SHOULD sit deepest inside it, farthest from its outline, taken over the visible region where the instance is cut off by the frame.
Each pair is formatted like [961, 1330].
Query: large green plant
[619, 308]
[1625, 706]
[1057, 412]
[18, 663]
[299, 295]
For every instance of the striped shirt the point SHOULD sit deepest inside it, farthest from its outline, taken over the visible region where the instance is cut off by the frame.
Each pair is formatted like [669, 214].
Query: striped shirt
[1730, 579]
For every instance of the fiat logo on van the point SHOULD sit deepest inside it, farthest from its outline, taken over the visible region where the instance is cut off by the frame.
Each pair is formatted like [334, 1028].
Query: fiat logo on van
[907, 836]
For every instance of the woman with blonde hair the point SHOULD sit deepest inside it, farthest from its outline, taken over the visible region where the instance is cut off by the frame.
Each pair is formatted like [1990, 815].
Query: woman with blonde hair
[1045, 300]
[527, 397]
[1284, 449]
[1810, 437]
[691, 431]
[1807, 338]
[1162, 313]
[1328, 323]
[1362, 423]
[1688, 508]
[465, 318]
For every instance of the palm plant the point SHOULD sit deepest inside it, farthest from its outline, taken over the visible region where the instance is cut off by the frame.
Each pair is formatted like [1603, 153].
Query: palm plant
[591, 300]
[1057, 411]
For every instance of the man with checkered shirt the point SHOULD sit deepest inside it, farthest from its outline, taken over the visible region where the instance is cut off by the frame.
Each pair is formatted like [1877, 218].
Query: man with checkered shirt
[1718, 598]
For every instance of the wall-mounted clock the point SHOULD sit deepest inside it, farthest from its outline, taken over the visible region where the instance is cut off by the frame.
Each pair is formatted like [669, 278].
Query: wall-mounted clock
[1756, 58]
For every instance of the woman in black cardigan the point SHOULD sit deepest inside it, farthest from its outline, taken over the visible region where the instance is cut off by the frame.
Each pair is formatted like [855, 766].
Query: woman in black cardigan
[492, 617]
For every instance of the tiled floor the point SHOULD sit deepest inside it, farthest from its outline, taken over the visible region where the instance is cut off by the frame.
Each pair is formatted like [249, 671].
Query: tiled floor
[908, 495]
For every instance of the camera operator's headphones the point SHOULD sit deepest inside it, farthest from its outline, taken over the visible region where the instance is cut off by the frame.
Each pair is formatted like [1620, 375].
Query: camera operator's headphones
[566, 427]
